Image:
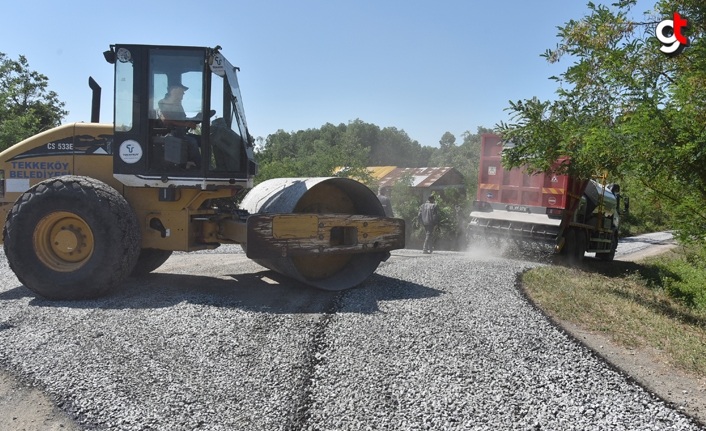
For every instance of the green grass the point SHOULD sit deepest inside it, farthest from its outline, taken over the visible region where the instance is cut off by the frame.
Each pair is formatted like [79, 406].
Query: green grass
[683, 276]
[658, 303]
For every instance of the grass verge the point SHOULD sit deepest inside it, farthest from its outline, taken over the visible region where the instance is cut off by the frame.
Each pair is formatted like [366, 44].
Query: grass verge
[659, 302]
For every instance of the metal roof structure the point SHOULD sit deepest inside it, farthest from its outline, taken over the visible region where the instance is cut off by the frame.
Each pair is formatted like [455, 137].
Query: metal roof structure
[434, 178]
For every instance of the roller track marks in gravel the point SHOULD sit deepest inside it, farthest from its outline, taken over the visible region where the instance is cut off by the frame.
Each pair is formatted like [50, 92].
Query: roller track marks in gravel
[315, 353]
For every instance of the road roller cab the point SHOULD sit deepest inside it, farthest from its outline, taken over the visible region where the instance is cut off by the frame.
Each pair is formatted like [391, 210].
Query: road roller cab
[179, 120]
[89, 204]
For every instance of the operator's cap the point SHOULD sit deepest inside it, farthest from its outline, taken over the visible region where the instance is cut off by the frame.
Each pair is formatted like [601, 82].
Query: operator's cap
[178, 86]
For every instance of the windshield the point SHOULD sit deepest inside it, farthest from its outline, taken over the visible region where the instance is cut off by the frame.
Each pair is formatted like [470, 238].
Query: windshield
[230, 131]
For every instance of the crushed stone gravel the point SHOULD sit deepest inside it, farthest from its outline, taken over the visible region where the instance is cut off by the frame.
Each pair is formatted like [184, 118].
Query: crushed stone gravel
[430, 342]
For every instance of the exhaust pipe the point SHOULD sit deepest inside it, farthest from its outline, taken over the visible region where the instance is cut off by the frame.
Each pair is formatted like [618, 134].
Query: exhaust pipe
[95, 100]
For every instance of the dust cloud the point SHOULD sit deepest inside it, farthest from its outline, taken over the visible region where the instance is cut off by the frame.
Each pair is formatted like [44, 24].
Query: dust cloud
[480, 246]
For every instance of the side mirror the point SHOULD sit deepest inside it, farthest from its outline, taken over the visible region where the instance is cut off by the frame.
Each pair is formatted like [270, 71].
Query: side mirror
[109, 56]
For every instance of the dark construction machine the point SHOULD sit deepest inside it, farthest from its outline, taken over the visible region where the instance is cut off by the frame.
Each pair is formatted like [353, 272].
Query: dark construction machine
[90, 204]
[571, 215]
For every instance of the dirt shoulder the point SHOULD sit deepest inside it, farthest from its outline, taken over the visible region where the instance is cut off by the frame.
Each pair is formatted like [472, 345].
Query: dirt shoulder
[648, 367]
[26, 408]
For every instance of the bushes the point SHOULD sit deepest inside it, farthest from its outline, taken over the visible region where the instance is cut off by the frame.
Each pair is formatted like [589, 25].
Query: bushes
[453, 209]
[682, 275]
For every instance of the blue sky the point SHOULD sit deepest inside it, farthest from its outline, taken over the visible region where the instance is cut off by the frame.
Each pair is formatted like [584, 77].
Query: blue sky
[425, 67]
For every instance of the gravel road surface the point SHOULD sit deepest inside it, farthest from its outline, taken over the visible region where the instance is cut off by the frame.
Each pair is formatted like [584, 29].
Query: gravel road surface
[649, 243]
[215, 342]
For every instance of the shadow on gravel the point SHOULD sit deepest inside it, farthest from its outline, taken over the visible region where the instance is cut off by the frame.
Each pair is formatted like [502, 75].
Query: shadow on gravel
[365, 298]
[18, 292]
[265, 291]
[391, 289]
[652, 274]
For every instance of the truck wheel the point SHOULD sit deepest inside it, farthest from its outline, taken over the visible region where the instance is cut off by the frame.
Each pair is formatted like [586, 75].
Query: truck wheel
[575, 246]
[149, 260]
[608, 257]
[71, 237]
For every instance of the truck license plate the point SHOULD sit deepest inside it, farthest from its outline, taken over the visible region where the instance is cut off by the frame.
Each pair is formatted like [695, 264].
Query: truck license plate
[518, 208]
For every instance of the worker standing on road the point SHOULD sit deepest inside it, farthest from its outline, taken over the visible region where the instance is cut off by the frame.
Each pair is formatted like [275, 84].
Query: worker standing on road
[385, 201]
[429, 217]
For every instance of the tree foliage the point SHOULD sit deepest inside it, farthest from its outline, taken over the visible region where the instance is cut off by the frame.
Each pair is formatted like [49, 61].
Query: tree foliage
[624, 107]
[318, 152]
[27, 106]
[449, 231]
[463, 157]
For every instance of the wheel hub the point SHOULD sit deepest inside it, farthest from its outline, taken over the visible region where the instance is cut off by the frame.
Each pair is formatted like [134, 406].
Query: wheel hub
[63, 241]
[68, 241]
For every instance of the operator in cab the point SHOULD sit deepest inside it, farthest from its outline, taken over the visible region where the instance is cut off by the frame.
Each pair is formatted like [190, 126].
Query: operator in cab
[171, 112]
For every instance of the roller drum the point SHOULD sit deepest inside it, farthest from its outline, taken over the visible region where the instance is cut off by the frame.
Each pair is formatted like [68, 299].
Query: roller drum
[318, 196]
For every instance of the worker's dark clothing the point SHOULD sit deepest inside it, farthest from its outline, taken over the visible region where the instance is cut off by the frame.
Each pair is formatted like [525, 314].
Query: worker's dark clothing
[386, 205]
[171, 111]
[429, 217]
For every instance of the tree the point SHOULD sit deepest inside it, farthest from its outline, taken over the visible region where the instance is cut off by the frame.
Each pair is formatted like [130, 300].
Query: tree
[405, 204]
[27, 106]
[464, 157]
[318, 152]
[312, 152]
[448, 140]
[625, 108]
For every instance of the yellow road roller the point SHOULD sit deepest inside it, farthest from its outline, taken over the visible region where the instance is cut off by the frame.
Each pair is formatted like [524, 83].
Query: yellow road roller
[88, 204]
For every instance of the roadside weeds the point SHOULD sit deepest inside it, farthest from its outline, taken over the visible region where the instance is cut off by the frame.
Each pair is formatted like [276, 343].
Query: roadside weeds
[633, 324]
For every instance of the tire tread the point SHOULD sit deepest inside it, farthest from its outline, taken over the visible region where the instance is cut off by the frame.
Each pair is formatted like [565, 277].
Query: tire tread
[81, 191]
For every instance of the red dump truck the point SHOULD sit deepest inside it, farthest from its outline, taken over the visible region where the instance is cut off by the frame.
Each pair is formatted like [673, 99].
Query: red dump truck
[574, 216]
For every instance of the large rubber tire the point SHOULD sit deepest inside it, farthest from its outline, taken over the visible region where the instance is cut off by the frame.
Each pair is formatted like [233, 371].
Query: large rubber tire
[569, 242]
[609, 257]
[575, 246]
[71, 237]
[149, 260]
